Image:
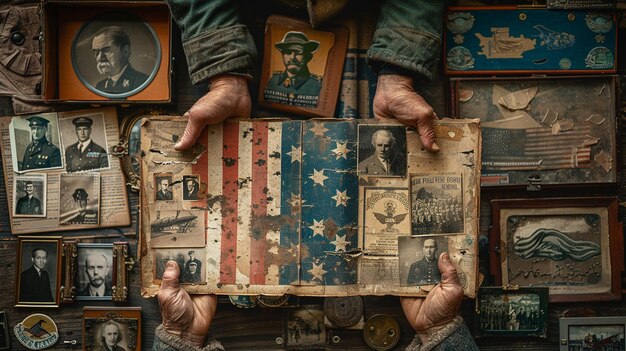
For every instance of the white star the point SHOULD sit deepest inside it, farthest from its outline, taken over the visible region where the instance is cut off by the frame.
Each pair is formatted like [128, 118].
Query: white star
[319, 129]
[341, 150]
[295, 201]
[318, 177]
[317, 271]
[340, 243]
[296, 154]
[341, 198]
[318, 228]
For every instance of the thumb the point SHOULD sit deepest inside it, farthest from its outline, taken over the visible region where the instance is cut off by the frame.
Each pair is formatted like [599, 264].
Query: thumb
[170, 277]
[449, 275]
[427, 133]
[192, 131]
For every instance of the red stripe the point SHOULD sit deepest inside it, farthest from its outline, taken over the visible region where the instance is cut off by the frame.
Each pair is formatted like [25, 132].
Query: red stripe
[228, 262]
[259, 203]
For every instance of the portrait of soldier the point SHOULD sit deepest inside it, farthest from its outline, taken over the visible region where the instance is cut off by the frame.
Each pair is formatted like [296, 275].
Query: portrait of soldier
[83, 214]
[193, 268]
[96, 269]
[386, 159]
[164, 192]
[295, 81]
[85, 154]
[40, 153]
[110, 337]
[35, 281]
[426, 270]
[190, 188]
[29, 204]
[112, 50]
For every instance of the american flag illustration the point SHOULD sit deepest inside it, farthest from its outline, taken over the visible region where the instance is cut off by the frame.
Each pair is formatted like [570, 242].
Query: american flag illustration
[283, 199]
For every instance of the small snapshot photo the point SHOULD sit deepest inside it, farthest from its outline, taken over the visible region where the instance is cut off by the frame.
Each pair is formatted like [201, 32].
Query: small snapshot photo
[84, 142]
[191, 187]
[382, 150]
[592, 333]
[305, 326]
[436, 204]
[111, 328]
[29, 195]
[177, 228]
[5, 339]
[190, 261]
[163, 187]
[38, 271]
[35, 142]
[116, 55]
[419, 259]
[79, 194]
[94, 271]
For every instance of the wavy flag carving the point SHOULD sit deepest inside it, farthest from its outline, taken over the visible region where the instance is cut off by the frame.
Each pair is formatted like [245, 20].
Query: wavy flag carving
[555, 245]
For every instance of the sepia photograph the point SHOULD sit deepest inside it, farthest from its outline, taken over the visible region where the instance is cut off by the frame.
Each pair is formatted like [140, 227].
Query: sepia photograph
[191, 187]
[84, 142]
[386, 215]
[190, 261]
[79, 194]
[419, 259]
[116, 55]
[111, 328]
[305, 326]
[163, 185]
[177, 228]
[592, 333]
[38, 271]
[382, 150]
[29, 195]
[35, 142]
[436, 204]
[94, 272]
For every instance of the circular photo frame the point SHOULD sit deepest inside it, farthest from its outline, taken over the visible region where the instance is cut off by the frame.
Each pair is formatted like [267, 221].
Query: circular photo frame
[116, 54]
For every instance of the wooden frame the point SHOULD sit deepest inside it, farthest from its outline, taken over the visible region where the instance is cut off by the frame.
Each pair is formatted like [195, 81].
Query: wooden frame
[29, 291]
[127, 320]
[515, 312]
[571, 245]
[592, 333]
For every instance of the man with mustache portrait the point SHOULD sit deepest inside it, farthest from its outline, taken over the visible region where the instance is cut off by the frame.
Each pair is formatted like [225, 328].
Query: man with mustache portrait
[96, 268]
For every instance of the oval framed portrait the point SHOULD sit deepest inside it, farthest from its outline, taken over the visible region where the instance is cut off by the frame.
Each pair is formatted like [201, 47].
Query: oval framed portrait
[116, 54]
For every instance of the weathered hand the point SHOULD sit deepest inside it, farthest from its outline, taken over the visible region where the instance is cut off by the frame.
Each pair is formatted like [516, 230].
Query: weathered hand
[189, 317]
[228, 96]
[442, 303]
[396, 98]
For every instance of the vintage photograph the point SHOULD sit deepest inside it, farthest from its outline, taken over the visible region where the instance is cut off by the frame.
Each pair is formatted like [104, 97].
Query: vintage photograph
[38, 271]
[386, 215]
[190, 261]
[163, 184]
[177, 228]
[116, 55]
[94, 271]
[35, 142]
[382, 150]
[563, 243]
[112, 328]
[79, 194]
[5, 339]
[418, 257]
[191, 187]
[519, 312]
[84, 142]
[305, 326]
[436, 204]
[29, 195]
[592, 333]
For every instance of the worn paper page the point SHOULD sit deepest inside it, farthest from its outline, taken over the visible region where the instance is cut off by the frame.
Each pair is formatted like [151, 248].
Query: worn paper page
[108, 208]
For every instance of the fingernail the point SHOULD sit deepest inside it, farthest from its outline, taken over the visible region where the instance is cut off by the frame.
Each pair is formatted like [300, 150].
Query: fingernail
[177, 145]
[435, 147]
[186, 115]
[170, 265]
[445, 256]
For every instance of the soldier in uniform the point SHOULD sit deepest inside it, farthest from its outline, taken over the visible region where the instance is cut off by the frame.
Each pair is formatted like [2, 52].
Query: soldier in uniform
[84, 215]
[295, 82]
[426, 270]
[40, 153]
[85, 154]
[28, 204]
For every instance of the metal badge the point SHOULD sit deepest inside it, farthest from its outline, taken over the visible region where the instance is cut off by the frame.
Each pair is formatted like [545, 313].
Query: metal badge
[343, 312]
[243, 301]
[381, 332]
[273, 301]
[37, 332]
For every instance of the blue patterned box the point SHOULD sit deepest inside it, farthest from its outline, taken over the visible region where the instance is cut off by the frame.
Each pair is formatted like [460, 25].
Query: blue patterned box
[494, 40]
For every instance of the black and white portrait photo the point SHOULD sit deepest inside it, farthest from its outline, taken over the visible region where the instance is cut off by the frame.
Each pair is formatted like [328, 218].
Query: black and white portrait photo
[191, 187]
[419, 259]
[116, 55]
[163, 183]
[382, 150]
[79, 195]
[108, 328]
[29, 195]
[38, 271]
[192, 271]
[84, 142]
[94, 272]
[35, 142]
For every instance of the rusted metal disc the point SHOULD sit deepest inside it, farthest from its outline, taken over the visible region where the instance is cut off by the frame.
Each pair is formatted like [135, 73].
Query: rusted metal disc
[343, 312]
[273, 301]
[243, 301]
[381, 332]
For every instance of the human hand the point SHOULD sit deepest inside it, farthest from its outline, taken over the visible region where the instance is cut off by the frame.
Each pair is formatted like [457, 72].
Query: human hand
[441, 304]
[228, 96]
[189, 317]
[396, 98]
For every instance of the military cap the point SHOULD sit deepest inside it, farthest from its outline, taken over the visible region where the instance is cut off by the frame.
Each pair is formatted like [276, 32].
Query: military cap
[37, 121]
[193, 264]
[297, 38]
[80, 194]
[82, 122]
[191, 252]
